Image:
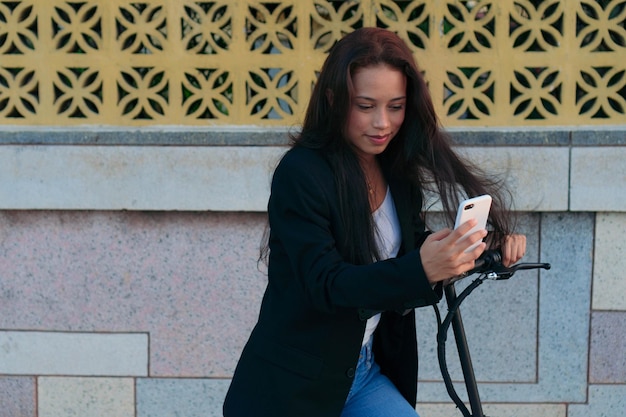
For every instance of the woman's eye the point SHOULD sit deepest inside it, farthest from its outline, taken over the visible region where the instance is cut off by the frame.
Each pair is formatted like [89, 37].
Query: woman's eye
[365, 106]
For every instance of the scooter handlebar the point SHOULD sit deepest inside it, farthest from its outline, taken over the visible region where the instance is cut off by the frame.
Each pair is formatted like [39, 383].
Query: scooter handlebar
[490, 264]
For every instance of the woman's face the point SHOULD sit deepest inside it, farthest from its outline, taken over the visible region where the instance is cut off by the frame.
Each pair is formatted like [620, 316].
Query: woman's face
[377, 109]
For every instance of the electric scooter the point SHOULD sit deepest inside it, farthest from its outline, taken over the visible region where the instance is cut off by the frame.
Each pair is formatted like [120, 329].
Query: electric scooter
[489, 267]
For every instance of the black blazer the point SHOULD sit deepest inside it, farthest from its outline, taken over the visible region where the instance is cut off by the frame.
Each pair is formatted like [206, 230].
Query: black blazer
[301, 356]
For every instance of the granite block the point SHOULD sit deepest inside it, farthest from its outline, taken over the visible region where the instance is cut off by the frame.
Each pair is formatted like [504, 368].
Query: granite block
[190, 280]
[609, 283]
[50, 353]
[537, 175]
[180, 397]
[607, 359]
[565, 299]
[604, 401]
[17, 396]
[598, 179]
[234, 178]
[93, 397]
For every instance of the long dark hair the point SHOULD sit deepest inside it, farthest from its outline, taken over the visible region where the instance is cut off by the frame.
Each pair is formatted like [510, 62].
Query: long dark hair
[420, 152]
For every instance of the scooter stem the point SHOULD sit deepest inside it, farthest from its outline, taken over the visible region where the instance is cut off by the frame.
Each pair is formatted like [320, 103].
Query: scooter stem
[464, 355]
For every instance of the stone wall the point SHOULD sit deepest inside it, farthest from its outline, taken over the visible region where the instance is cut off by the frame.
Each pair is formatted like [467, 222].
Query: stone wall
[129, 279]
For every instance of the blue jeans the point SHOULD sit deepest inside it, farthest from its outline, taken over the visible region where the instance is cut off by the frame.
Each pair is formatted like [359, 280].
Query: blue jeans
[373, 394]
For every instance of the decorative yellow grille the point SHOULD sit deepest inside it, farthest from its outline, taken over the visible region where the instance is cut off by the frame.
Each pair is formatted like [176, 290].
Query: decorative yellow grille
[180, 62]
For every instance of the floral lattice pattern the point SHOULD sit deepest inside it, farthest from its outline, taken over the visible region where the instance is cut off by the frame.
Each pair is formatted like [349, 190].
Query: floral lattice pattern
[272, 93]
[271, 27]
[470, 93]
[141, 27]
[536, 93]
[254, 62]
[19, 93]
[410, 19]
[207, 94]
[469, 26]
[78, 92]
[19, 29]
[600, 92]
[537, 26]
[601, 25]
[77, 27]
[143, 93]
[207, 27]
[330, 20]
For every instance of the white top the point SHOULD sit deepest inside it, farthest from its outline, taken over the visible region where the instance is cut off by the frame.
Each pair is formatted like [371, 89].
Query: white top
[388, 240]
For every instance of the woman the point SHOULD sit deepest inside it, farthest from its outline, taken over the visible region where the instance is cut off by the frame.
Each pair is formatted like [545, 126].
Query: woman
[348, 254]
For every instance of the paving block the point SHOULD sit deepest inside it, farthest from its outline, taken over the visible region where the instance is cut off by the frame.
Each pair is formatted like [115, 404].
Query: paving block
[17, 396]
[180, 397]
[51, 353]
[607, 358]
[80, 396]
[604, 401]
[598, 179]
[609, 271]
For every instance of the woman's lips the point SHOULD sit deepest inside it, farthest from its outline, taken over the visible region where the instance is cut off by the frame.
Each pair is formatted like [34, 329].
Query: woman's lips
[378, 139]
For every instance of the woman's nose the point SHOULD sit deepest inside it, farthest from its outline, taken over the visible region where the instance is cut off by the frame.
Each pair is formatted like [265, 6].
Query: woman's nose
[381, 119]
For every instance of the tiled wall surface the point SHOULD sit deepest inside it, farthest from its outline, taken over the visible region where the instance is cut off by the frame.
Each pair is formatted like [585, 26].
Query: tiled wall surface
[109, 312]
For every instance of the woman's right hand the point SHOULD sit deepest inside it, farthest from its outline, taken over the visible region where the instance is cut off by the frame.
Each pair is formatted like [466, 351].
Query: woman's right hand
[443, 253]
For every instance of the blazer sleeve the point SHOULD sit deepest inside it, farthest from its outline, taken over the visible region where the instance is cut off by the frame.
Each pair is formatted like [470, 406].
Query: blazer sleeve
[304, 229]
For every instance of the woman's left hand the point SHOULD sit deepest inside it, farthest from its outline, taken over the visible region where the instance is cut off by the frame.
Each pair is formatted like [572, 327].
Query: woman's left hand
[513, 249]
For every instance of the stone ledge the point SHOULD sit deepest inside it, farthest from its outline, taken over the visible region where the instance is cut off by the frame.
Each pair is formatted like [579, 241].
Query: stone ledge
[261, 136]
[605, 136]
[218, 178]
[148, 136]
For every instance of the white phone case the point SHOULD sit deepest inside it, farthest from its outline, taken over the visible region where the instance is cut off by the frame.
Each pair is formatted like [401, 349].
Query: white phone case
[478, 208]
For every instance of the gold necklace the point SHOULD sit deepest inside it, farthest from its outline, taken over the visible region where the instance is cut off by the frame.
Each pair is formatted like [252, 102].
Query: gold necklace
[370, 189]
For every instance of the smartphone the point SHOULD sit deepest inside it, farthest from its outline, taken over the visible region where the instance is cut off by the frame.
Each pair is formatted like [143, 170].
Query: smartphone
[477, 208]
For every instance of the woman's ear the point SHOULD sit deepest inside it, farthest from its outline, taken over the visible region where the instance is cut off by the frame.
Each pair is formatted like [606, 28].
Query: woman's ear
[329, 97]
